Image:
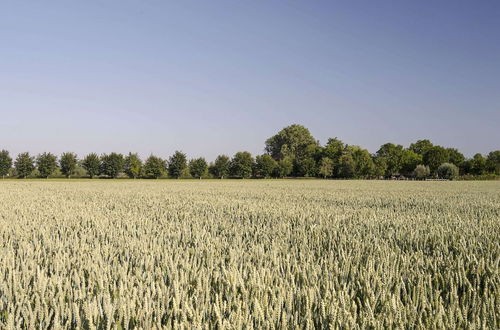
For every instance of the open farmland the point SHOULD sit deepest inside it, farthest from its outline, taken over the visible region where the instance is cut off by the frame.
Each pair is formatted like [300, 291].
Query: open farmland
[249, 254]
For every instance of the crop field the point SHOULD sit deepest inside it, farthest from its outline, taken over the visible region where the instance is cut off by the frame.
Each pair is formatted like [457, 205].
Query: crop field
[249, 254]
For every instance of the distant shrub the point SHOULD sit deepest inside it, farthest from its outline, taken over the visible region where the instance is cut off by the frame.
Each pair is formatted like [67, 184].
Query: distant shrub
[421, 172]
[447, 171]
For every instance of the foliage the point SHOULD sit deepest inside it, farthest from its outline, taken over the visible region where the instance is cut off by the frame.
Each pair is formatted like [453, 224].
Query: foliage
[421, 147]
[493, 162]
[421, 172]
[198, 167]
[46, 164]
[92, 164]
[112, 164]
[67, 163]
[177, 164]
[24, 165]
[242, 165]
[154, 167]
[326, 167]
[284, 168]
[5, 163]
[265, 166]
[392, 155]
[447, 171]
[434, 157]
[292, 142]
[133, 165]
[220, 168]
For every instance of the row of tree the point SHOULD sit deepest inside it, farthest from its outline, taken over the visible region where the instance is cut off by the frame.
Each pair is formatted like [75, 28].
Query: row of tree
[293, 151]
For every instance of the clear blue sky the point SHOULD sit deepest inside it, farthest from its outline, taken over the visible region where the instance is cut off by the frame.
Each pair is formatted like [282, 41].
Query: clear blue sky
[211, 77]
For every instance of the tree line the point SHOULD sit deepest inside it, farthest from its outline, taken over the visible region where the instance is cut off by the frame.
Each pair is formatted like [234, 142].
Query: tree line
[292, 152]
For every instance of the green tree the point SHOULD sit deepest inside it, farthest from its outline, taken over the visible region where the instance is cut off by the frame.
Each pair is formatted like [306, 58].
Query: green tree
[347, 166]
[46, 164]
[154, 167]
[478, 164]
[379, 167]
[305, 167]
[133, 165]
[421, 172]
[112, 164]
[220, 168]
[198, 167]
[292, 141]
[265, 166]
[421, 147]
[363, 163]
[177, 164]
[68, 164]
[409, 161]
[92, 164]
[5, 163]
[434, 157]
[242, 164]
[493, 162]
[24, 165]
[326, 167]
[455, 156]
[284, 168]
[392, 154]
[447, 171]
[334, 149]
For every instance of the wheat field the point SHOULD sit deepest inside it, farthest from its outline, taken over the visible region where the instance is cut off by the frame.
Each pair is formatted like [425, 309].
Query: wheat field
[249, 254]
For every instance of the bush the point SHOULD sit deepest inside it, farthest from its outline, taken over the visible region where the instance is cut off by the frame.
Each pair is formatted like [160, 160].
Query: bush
[447, 171]
[421, 172]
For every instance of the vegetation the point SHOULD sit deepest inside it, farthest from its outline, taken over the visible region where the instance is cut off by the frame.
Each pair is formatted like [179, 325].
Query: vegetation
[293, 151]
[233, 255]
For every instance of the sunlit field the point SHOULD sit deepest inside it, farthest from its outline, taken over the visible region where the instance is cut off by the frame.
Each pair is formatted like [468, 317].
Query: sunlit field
[249, 254]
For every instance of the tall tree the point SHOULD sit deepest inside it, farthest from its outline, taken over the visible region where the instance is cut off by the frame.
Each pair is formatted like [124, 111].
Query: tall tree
[434, 157]
[334, 149]
[198, 167]
[46, 164]
[478, 163]
[493, 162]
[92, 164]
[292, 141]
[347, 166]
[242, 164]
[220, 168]
[68, 164]
[284, 168]
[265, 166]
[133, 165]
[326, 167]
[455, 157]
[421, 147]
[112, 164]
[409, 161]
[363, 163]
[24, 165]
[5, 163]
[177, 164]
[154, 167]
[392, 154]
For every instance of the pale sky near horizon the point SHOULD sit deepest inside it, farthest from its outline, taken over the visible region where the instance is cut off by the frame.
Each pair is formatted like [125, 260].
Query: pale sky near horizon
[212, 77]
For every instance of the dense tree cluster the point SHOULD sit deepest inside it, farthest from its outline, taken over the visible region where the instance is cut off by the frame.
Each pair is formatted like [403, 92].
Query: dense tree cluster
[293, 151]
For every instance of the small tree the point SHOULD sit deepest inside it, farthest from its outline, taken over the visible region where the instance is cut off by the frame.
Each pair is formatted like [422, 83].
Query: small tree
[92, 164]
[112, 164]
[265, 166]
[46, 164]
[133, 165]
[242, 164]
[421, 172]
[177, 164]
[24, 165]
[220, 168]
[68, 164]
[326, 167]
[5, 163]
[447, 171]
[284, 168]
[154, 167]
[347, 166]
[198, 167]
